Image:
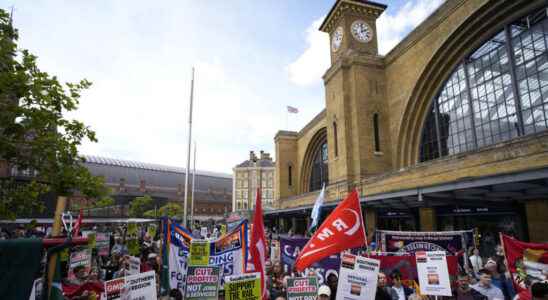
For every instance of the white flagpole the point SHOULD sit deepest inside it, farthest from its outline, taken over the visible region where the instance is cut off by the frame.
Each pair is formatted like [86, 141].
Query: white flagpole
[188, 152]
[193, 188]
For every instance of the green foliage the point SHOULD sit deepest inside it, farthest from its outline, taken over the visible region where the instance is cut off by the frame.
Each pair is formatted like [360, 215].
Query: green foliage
[171, 210]
[104, 202]
[139, 206]
[34, 134]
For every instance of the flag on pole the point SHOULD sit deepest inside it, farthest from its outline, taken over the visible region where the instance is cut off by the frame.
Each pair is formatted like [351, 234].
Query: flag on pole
[343, 229]
[78, 224]
[292, 110]
[315, 216]
[257, 246]
[56, 290]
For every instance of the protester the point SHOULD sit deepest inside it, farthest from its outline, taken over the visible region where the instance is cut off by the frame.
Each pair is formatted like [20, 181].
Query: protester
[486, 288]
[332, 282]
[324, 293]
[475, 261]
[463, 290]
[384, 292]
[498, 277]
[276, 281]
[402, 291]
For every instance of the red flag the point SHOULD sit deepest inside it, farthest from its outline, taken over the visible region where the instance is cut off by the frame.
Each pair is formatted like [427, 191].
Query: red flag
[257, 246]
[343, 229]
[78, 224]
[526, 261]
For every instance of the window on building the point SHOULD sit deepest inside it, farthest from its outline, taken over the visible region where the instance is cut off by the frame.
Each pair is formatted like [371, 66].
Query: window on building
[499, 92]
[239, 205]
[290, 175]
[336, 139]
[376, 132]
[319, 174]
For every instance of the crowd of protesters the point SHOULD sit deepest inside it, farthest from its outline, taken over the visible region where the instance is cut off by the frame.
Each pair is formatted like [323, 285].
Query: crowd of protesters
[480, 278]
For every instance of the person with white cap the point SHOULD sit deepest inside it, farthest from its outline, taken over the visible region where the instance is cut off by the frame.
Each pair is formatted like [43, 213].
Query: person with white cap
[324, 292]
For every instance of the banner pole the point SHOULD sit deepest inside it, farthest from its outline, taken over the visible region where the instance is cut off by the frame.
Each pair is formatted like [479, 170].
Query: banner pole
[56, 231]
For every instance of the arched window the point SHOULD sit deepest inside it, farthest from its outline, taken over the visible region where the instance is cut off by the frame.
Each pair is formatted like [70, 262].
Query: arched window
[376, 132]
[336, 138]
[319, 174]
[497, 93]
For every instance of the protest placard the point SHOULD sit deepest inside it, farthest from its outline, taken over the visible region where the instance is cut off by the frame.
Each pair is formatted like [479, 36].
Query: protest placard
[79, 258]
[92, 239]
[134, 265]
[203, 232]
[151, 230]
[433, 273]
[303, 288]
[199, 253]
[202, 283]
[358, 277]
[113, 288]
[102, 242]
[132, 241]
[139, 286]
[246, 286]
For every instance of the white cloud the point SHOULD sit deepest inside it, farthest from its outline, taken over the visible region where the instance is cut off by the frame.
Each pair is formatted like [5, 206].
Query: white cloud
[309, 68]
[392, 28]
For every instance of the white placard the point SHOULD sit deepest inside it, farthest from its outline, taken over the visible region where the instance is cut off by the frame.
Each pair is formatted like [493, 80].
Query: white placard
[141, 286]
[433, 273]
[134, 265]
[203, 232]
[358, 277]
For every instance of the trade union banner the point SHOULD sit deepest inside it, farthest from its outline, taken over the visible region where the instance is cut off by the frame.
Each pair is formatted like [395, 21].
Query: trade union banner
[302, 288]
[229, 252]
[290, 249]
[177, 241]
[202, 283]
[527, 262]
[453, 242]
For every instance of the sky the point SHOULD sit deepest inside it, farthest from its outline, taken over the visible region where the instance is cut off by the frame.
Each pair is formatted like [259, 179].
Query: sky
[252, 59]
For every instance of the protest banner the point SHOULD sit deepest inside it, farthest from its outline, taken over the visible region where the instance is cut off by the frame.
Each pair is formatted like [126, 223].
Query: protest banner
[139, 286]
[134, 265]
[248, 287]
[199, 253]
[102, 243]
[453, 242]
[79, 258]
[202, 283]
[290, 249]
[433, 273]
[302, 288]
[358, 277]
[527, 262]
[176, 247]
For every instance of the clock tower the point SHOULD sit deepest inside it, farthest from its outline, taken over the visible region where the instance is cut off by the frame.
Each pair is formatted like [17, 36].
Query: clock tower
[356, 111]
[351, 25]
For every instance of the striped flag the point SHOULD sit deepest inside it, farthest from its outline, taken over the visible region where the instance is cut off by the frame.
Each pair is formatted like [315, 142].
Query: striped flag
[292, 110]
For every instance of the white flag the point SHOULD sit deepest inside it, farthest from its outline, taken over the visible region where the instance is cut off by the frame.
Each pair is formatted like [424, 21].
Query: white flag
[317, 208]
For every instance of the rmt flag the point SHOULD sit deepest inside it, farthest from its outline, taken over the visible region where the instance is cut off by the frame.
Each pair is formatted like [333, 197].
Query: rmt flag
[343, 229]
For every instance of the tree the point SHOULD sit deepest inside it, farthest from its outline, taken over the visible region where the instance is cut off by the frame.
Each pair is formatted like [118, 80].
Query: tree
[171, 210]
[139, 206]
[104, 202]
[35, 136]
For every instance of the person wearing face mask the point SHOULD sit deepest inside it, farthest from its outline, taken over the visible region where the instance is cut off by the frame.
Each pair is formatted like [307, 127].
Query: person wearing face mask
[463, 290]
[486, 288]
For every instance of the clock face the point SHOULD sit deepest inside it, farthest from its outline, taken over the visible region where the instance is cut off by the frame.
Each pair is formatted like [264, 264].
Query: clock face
[361, 31]
[337, 38]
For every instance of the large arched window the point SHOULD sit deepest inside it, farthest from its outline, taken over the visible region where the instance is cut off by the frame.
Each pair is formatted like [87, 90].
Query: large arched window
[319, 173]
[497, 93]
